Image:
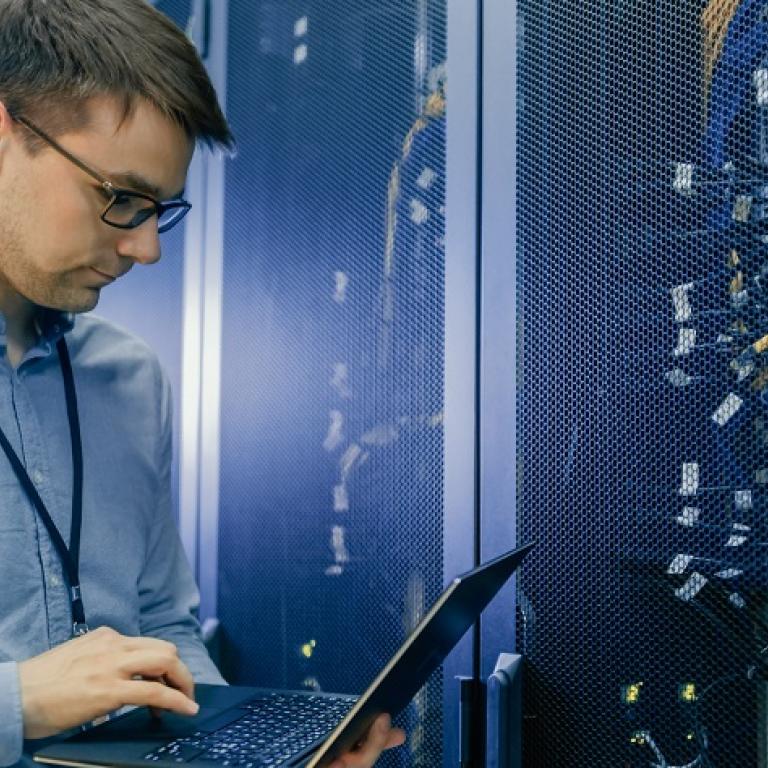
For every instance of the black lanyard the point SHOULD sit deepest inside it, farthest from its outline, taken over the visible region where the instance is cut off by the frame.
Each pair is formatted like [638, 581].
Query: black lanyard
[70, 558]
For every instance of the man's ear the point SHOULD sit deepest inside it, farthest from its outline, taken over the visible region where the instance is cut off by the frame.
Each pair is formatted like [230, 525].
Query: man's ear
[6, 120]
[10, 132]
[7, 127]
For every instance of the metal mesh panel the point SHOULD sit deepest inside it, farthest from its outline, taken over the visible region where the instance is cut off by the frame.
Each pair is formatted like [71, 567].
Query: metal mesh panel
[332, 394]
[642, 387]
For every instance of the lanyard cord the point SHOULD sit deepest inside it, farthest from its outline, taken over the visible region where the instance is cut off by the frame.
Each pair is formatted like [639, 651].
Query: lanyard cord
[70, 557]
[77, 456]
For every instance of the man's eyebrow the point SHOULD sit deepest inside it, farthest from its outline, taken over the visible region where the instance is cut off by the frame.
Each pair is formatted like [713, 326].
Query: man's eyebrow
[135, 181]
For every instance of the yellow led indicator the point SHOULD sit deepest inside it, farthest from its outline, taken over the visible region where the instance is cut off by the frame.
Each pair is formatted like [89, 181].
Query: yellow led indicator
[690, 737]
[630, 694]
[308, 649]
[687, 692]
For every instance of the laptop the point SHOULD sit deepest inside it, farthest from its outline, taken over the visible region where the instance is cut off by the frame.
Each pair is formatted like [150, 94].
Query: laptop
[241, 727]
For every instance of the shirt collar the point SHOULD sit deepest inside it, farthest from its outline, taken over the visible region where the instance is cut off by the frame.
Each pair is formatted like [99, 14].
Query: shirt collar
[53, 324]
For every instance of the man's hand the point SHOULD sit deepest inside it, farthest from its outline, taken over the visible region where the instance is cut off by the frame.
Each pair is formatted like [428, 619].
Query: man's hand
[98, 673]
[381, 736]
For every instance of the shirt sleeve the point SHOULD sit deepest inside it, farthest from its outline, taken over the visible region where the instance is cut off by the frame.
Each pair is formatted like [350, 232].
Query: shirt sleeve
[11, 720]
[168, 596]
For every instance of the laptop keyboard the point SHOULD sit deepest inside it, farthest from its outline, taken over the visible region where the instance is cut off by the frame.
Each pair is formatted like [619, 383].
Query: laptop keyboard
[273, 729]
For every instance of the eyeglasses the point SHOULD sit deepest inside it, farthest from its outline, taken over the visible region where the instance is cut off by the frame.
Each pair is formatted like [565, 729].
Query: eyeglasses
[126, 208]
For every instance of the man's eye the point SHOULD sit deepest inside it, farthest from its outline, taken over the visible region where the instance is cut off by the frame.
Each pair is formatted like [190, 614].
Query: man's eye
[123, 201]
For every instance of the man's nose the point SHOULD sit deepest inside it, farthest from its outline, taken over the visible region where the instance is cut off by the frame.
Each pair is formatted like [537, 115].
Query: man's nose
[141, 244]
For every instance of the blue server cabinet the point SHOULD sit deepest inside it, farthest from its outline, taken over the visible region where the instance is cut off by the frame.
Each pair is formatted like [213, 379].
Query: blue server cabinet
[641, 174]
[332, 393]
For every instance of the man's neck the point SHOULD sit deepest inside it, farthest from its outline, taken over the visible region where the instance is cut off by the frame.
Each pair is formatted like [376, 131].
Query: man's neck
[20, 329]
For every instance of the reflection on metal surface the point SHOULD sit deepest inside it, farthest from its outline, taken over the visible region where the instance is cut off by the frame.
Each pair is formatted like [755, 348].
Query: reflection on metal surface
[339, 549]
[729, 573]
[307, 649]
[340, 380]
[383, 434]
[630, 693]
[678, 377]
[679, 564]
[335, 436]
[689, 516]
[690, 482]
[426, 178]
[351, 458]
[681, 302]
[301, 26]
[686, 340]
[342, 281]
[419, 211]
[415, 607]
[692, 587]
[300, 53]
[727, 409]
[340, 498]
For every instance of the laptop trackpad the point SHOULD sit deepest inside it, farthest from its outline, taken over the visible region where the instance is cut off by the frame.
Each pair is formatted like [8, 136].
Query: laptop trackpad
[141, 724]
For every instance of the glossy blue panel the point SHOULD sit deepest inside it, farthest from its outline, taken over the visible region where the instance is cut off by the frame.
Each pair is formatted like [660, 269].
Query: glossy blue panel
[461, 276]
[498, 317]
[178, 10]
[331, 518]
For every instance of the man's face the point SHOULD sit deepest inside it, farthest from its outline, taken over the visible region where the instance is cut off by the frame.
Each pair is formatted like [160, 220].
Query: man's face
[55, 251]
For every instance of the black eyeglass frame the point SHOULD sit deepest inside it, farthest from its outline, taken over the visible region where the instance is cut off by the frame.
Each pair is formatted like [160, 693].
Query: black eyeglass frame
[159, 207]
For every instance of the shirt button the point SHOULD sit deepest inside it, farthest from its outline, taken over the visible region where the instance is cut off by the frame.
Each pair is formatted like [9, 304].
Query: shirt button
[55, 580]
[37, 477]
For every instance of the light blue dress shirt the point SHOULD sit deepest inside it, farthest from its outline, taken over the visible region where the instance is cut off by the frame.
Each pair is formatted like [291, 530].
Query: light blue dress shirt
[133, 571]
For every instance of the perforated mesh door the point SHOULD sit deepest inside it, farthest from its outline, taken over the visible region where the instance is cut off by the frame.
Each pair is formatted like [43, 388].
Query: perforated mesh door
[642, 391]
[332, 394]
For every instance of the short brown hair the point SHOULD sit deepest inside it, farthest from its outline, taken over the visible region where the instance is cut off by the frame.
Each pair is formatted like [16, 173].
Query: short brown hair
[57, 54]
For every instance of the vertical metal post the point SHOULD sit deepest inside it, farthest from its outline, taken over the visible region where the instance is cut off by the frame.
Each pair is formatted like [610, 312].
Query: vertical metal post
[188, 407]
[498, 314]
[210, 435]
[461, 260]
[201, 365]
[471, 723]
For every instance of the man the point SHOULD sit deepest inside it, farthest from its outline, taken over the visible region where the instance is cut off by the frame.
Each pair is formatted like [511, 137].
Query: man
[101, 105]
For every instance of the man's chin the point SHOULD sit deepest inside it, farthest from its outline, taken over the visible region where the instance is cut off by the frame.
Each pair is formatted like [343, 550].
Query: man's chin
[85, 300]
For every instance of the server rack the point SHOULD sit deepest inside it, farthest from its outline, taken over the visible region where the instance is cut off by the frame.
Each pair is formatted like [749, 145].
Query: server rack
[640, 414]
